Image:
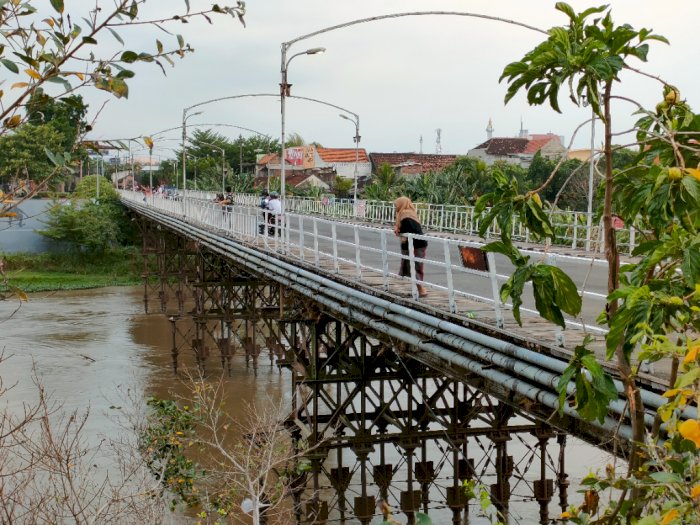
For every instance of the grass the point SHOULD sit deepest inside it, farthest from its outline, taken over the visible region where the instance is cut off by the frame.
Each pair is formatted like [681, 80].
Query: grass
[73, 271]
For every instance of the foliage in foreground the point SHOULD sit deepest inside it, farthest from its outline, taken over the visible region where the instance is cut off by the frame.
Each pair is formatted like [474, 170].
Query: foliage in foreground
[206, 459]
[653, 304]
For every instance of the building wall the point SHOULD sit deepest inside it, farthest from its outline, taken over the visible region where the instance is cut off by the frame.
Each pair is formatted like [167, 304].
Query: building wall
[553, 149]
[347, 169]
[490, 159]
[25, 239]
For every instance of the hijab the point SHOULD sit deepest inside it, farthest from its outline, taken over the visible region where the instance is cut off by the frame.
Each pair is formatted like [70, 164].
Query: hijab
[405, 209]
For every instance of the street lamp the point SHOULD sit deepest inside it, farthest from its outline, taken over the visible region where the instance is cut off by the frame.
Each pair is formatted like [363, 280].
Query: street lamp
[591, 169]
[284, 93]
[223, 164]
[185, 116]
[356, 138]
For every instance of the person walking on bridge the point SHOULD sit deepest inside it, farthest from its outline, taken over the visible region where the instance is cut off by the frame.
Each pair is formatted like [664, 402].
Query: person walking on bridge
[407, 221]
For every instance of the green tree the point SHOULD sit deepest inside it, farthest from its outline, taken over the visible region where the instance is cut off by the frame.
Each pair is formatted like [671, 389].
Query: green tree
[587, 57]
[295, 140]
[66, 115]
[342, 186]
[22, 153]
[654, 303]
[45, 42]
[88, 223]
[386, 184]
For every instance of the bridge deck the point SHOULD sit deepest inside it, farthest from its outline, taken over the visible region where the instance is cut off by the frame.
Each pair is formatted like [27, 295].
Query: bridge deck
[535, 332]
[345, 269]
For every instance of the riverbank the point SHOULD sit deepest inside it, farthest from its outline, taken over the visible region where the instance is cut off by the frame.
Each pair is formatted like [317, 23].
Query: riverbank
[73, 271]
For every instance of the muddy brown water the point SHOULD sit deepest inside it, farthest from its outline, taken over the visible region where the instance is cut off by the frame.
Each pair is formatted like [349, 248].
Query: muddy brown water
[88, 347]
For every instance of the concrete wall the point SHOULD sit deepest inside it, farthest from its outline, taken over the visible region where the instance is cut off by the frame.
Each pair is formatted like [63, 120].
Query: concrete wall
[15, 238]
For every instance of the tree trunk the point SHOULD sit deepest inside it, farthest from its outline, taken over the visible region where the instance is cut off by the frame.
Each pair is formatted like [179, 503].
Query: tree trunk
[632, 393]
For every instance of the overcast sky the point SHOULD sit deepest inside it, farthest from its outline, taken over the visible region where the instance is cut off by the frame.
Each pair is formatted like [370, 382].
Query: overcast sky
[405, 77]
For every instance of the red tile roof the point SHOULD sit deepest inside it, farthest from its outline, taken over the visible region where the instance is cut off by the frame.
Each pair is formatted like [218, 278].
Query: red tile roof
[270, 158]
[536, 145]
[504, 146]
[341, 154]
[412, 162]
[538, 136]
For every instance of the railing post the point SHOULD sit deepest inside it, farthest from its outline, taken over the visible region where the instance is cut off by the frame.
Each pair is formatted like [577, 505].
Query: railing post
[336, 266]
[317, 261]
[632, 239]
[493, 276]
[301, 237]
[411, 262]
[358, 263]
[448, 275]
[385, 262]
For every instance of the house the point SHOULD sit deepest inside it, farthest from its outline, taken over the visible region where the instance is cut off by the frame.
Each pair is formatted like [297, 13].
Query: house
[411, 164]
[323, 163]
[518, 150]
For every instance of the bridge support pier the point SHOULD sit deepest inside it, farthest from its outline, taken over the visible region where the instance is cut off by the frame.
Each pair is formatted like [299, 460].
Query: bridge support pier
[395, 433]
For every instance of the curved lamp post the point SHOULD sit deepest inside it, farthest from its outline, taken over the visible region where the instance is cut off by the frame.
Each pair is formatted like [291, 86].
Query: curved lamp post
[285, 89]
[185, 116]
[356, 138]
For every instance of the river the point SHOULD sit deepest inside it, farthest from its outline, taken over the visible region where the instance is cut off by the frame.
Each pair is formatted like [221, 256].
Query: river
[90, 347]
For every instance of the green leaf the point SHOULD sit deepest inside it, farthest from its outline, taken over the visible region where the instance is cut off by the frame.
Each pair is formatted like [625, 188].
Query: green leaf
[566, 9]
[691, 265]
[692, 186]
[57, 5]
[688, 378]
[180, 41]
[89, 40]
[116, 35]
[52, 157]
[9, 64]
[565, 292]
[187, 3]
[129, 57]
[665, 477]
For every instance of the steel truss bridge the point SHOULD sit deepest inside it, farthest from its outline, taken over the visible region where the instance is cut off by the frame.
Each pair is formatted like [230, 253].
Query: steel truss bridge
[425, 393]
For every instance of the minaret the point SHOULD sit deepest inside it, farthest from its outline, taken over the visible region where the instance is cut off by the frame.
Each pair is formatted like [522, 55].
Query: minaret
[489, 130]
[421, 144]
[438, 146]
[523, 132]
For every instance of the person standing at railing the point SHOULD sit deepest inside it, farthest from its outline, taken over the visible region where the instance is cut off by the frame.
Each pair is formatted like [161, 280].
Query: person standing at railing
[274, 210]
[228, 198]
[407, 221]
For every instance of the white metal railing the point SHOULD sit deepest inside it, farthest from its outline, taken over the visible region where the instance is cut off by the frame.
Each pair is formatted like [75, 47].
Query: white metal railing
[372, 253]
[570, 227]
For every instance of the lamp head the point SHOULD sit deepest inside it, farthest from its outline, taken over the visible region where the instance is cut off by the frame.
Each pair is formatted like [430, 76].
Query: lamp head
[315, 50]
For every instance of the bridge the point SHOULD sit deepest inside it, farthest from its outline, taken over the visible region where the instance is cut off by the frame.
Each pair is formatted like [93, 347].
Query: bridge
[425, 392]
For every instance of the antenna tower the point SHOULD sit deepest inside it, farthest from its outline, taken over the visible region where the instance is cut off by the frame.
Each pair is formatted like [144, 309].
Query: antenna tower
[438, 146]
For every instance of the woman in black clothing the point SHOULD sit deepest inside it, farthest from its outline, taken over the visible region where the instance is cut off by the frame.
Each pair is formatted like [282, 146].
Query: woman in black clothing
[407, 221]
